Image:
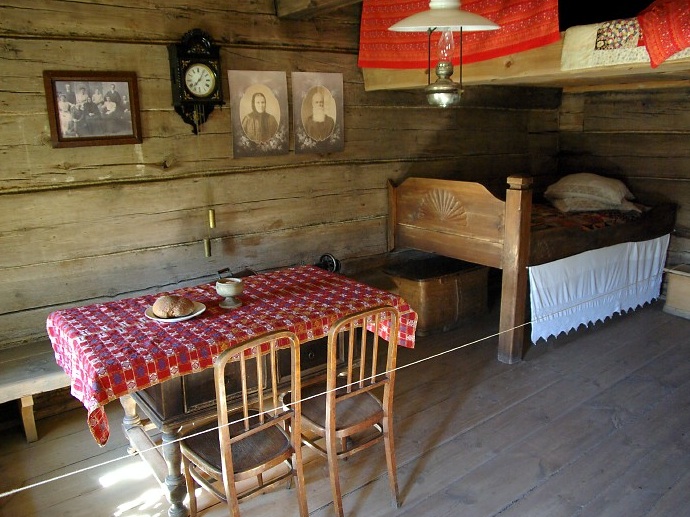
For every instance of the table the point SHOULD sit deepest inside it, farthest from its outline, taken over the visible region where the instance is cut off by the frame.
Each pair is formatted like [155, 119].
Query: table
[112, 350]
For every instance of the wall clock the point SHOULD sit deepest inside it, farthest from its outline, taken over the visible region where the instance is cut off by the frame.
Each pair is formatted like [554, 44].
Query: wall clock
[195, 75]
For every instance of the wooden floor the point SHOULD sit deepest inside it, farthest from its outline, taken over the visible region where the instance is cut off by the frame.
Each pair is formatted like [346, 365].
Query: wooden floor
[596, 423]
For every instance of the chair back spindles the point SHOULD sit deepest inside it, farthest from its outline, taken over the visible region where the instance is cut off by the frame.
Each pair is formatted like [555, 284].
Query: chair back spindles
[255, 434]
[345, 415]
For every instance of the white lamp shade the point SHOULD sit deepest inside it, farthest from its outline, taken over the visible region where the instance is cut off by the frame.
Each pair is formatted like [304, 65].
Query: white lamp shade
[444, 15]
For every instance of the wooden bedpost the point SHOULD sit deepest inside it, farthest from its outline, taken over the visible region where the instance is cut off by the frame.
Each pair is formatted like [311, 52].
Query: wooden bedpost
[516, 248]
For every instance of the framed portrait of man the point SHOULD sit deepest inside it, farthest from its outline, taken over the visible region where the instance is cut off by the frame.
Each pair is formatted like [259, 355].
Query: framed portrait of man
[260, 120]
[317, 103]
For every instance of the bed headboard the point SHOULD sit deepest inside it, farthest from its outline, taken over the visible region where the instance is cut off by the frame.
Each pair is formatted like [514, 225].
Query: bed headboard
[458, 219]
[465, 221]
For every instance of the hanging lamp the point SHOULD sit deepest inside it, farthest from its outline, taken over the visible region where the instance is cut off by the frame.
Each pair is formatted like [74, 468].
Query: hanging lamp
[446, 16]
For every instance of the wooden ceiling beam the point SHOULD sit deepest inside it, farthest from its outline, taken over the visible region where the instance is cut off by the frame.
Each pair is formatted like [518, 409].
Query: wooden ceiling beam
[541, 67]
[301, 9]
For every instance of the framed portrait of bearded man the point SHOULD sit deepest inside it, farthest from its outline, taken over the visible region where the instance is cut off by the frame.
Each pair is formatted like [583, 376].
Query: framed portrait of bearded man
[260, 121]
[317, 103]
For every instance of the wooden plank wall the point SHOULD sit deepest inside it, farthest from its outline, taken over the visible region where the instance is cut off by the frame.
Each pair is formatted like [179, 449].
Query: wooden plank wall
[89, 224]
[640, 136]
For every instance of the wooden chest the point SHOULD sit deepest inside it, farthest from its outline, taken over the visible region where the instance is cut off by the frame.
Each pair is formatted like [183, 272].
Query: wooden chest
[443, 291]
[678, 291]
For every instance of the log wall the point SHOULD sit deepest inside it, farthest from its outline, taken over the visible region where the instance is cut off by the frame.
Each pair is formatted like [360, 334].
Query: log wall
[640, 136]
[88, 224]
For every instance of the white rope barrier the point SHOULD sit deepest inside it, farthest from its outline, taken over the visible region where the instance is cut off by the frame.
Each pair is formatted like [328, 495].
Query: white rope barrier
[414, 363]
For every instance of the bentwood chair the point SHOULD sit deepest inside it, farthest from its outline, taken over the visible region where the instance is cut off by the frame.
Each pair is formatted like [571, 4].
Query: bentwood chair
[258, 434]
[344, 416]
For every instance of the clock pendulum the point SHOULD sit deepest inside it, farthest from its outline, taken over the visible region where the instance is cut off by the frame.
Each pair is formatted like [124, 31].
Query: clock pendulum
[197, 88]
[211, 212]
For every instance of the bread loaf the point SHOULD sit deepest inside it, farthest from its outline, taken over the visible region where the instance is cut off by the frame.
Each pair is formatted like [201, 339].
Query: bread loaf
[170, 306]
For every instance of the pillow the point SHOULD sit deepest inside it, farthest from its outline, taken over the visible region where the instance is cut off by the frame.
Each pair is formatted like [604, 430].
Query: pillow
[581, 204]
[589, 186]
[665, 29]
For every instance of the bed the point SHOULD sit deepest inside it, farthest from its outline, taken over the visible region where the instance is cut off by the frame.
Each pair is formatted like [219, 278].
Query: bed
[463, 220]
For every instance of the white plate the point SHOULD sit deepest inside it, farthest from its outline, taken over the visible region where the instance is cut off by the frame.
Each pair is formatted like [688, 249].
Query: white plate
[198, 309]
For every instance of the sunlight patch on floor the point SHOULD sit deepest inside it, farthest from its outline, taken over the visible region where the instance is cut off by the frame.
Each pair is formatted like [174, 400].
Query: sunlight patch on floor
[151, 503]
[131, 472]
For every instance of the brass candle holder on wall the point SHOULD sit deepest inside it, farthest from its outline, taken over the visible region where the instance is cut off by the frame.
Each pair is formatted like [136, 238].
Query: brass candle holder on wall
[211, 225]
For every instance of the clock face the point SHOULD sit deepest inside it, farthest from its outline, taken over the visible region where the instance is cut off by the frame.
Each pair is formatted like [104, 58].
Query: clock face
[200, 80]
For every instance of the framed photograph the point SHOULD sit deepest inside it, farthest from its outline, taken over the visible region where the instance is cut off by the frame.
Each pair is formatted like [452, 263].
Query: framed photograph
[260, 120]
[317, 104]
[92, 108]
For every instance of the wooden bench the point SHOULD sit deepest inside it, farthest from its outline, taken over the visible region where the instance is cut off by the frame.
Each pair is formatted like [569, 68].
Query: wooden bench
[25, 371]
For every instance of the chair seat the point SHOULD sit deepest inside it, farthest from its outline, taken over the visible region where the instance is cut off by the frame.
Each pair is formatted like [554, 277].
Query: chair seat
[351, 412]
[257, 449]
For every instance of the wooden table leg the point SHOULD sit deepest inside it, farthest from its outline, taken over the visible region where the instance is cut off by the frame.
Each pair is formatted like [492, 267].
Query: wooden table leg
[166, 464]
[174, 480]
[131, 420]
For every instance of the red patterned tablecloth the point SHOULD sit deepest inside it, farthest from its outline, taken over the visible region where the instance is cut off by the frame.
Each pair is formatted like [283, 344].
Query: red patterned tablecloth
[112, 349]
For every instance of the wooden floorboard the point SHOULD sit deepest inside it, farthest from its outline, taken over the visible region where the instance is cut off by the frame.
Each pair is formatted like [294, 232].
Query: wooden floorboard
[592, 423]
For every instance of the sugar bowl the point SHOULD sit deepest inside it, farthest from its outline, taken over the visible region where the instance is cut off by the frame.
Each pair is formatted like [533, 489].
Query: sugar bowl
[229, 288]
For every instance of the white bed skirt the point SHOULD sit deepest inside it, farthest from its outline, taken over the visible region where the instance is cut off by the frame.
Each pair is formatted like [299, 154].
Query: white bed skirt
[594, 285]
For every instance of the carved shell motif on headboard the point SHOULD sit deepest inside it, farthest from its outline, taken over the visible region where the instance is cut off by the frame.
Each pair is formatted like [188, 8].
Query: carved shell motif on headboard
[441, 205]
